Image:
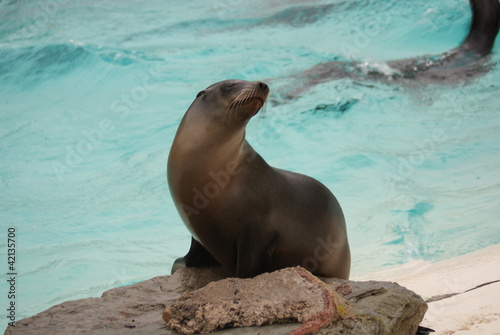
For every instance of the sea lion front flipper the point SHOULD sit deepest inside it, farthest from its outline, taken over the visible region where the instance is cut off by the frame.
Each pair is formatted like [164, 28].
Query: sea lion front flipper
[253, 253]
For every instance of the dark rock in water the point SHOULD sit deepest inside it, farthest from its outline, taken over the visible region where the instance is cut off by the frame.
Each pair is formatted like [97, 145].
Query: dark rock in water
[291, 295]
[338, 108]
[299, 16]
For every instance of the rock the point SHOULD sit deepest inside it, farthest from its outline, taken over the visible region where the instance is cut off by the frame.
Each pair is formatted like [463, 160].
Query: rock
[134, 309]
[295, 295]
[373, 308]
[379, 308]
[265, 299]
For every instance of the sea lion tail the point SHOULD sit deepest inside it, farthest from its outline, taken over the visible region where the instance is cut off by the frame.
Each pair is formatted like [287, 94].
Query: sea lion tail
[484, 27]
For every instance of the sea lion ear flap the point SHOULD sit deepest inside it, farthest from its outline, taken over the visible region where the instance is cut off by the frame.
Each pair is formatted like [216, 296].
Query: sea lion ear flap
[200, 94]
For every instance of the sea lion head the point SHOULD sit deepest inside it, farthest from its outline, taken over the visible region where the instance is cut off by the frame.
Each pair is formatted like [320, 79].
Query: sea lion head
[232, 102]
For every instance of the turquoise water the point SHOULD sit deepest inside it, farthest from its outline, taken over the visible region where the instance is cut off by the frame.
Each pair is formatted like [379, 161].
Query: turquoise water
[92, 92]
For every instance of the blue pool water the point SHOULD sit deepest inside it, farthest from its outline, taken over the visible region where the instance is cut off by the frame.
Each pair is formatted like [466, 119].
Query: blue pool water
[92, 92]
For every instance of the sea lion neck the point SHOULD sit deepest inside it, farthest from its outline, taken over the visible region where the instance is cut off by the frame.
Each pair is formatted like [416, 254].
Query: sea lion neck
[201, 145]
[196, 135]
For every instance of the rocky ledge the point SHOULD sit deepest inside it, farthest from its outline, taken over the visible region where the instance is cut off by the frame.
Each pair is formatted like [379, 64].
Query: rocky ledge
[289, 301]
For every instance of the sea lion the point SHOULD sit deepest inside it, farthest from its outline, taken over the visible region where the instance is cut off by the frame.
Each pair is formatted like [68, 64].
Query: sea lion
[242, 213]
[467, 61]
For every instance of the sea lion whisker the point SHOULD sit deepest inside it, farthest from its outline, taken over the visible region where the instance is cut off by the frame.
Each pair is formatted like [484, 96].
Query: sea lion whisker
[241, 98]
[236, 100]
[231, 107]
[234, 105]
[263, 108]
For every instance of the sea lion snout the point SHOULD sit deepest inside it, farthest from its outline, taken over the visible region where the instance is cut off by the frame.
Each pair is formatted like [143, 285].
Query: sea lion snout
[263, 87]
[248, 98]
[261, 90]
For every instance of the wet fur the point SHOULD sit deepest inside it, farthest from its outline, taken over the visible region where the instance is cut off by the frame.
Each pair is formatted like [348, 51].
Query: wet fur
[467, 61]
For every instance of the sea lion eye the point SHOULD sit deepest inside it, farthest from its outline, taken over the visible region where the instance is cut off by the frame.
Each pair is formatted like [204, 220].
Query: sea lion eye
[228, 86]
[200, 94]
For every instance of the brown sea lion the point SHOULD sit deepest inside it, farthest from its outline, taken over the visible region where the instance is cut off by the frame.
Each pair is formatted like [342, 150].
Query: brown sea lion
[242, 213]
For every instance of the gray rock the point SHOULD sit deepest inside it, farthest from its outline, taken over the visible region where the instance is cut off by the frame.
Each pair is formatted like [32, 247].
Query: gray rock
[284, 296]
[374, 308]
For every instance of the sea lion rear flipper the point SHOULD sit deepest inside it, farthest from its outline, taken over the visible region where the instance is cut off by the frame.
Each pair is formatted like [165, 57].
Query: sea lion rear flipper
[197, 256]
[178, 264]
[484, 27]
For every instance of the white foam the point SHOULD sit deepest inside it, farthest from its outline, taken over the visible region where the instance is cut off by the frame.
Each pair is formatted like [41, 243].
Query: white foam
[383, 68]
